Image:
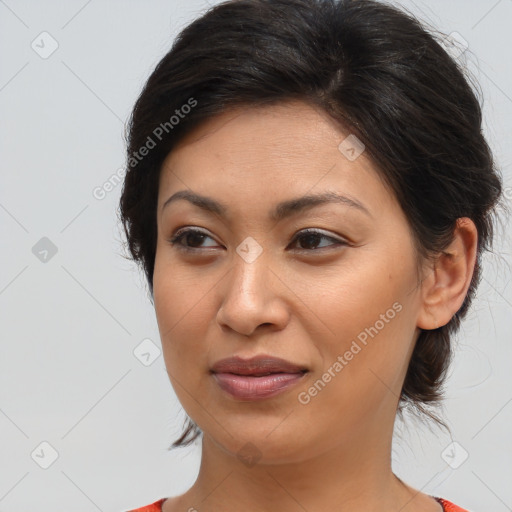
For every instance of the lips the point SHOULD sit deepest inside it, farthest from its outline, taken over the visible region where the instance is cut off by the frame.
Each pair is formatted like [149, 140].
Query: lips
[256, 366]
[256, 378]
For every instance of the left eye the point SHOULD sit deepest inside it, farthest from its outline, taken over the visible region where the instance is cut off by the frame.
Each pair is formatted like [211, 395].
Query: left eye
[312, 237]
[308, 237]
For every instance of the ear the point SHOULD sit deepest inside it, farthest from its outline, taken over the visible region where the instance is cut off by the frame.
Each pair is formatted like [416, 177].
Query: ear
[447, 281]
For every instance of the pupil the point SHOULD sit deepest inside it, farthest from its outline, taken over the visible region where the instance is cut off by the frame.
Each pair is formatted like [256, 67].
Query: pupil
[311, 239]
[199, 238]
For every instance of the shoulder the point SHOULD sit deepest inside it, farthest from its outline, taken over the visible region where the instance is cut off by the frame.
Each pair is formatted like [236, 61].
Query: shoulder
[448, 506]
[154, 507]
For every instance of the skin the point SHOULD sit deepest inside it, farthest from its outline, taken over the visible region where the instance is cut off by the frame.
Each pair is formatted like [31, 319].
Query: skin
[305, 302]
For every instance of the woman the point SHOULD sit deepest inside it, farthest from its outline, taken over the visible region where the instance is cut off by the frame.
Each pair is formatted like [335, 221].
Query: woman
[309, 194]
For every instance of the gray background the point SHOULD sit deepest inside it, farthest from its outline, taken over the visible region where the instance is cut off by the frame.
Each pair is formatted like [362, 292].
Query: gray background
[74, 386]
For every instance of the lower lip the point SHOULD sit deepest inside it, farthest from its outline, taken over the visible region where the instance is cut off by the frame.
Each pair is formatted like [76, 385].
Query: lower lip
[245, 387]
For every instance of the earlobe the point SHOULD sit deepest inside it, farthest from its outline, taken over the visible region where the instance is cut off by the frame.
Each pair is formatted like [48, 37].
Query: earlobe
[446, 286]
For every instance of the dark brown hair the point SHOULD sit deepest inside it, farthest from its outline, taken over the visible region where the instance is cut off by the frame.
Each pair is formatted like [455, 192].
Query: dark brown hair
[372, 67]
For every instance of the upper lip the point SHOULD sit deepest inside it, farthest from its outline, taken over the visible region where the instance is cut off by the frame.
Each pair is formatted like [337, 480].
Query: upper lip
[258, 365]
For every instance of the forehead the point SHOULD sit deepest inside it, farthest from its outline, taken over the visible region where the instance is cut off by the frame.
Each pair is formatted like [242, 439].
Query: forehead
[273, 151]
[289, 118]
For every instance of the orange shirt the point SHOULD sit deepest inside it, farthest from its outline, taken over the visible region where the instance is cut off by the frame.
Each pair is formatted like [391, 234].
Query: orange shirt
[154, 507]
[157, 506]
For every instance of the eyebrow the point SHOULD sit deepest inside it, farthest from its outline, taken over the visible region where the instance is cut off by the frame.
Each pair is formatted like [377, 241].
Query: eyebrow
[282, 210]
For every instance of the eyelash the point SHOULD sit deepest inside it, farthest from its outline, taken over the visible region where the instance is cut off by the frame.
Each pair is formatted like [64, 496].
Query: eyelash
[177, 238]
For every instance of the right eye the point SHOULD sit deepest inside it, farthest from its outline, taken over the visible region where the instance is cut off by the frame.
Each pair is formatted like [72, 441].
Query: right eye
[192, 237]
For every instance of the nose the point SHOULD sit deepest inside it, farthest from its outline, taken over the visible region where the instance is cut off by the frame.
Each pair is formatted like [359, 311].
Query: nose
[253, 297]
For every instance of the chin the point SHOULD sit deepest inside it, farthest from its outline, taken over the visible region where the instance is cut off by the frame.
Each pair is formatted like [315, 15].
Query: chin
[262, 442]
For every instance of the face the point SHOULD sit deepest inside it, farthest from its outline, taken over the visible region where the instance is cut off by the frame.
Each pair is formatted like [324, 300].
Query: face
[330, 287]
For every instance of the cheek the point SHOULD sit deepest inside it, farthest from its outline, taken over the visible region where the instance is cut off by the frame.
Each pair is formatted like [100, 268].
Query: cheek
[181, 305]
[180, 291]
[181, 308]
[370, 312]
[363, 297]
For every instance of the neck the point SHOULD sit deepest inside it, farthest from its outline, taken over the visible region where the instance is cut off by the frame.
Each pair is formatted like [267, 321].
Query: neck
[355, 475]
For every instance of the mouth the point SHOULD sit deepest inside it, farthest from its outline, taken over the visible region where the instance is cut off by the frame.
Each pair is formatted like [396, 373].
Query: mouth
[256, 378]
